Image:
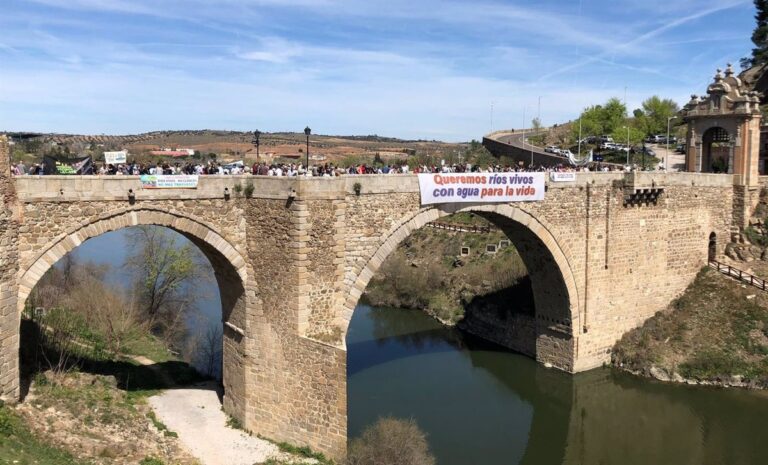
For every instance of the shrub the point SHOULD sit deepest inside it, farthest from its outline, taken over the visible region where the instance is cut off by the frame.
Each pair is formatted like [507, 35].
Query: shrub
[238, 188]
[248, 190]
[7, 423]
[151, 461]
[391, 441]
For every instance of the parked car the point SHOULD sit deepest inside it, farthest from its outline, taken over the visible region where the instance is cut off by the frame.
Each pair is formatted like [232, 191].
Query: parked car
[606, 139]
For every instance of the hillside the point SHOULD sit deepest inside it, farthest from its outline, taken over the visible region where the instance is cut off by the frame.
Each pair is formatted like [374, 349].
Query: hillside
[429, 272]
[715, 333]
[234, 145]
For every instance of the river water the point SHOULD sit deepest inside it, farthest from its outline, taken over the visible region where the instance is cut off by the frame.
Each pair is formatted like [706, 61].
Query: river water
[483, 405]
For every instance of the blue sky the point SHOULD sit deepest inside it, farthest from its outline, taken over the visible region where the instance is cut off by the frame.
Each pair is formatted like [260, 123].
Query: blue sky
[404, 68]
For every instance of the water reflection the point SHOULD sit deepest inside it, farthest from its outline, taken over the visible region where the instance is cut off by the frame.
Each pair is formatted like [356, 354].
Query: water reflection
[482, 404]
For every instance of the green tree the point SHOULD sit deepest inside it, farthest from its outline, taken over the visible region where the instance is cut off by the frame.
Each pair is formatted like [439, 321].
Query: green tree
[165, 272]
[601, 119]
[635, 134]
[652, 118]
[538, 135]
[535, 125]
[759, 37]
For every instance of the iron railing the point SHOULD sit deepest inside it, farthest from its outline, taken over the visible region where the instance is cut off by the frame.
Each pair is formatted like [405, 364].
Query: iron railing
[461, 227]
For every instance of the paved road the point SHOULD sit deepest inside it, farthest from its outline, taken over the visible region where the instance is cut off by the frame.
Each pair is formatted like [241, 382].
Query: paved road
[518, 140]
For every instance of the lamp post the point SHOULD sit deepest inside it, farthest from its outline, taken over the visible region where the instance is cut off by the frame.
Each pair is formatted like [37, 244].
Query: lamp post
[627, 126]
[255, 142]
[669, 119]
[307, 132]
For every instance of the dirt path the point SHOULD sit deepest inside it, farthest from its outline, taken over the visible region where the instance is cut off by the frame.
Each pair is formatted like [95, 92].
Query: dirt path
[152, 365]
[195, 414]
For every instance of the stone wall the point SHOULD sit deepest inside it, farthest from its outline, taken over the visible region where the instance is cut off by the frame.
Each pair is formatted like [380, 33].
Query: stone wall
[519, 154]
[9, 265]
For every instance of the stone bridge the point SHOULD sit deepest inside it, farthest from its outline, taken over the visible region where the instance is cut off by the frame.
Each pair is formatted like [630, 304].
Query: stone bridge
[604, 253]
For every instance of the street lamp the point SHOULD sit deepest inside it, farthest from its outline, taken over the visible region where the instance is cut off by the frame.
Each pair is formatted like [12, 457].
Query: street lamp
[255, 142]
[669, 119]
[627, 126]
[307, 132]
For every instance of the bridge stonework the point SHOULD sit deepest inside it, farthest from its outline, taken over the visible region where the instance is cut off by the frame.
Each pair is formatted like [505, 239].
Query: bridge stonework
[604, 252]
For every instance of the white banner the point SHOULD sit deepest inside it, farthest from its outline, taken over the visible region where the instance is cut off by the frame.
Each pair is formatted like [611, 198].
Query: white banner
[171, 181]
[115, 158]
[481, 187]
[567, 176]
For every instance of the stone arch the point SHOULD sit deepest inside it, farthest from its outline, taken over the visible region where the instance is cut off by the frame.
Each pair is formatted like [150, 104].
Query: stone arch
[230, 269]
[716, 151]
[542, 255]
[197, 231]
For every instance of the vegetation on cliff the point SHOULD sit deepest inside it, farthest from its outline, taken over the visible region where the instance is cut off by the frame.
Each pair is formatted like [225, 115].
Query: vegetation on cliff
[715, 333]
[428, 272]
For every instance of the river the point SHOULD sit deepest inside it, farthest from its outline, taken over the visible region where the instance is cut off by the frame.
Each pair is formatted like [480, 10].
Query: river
[483, 405]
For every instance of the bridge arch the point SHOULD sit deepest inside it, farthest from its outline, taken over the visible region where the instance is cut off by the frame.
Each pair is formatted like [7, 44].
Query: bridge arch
[556, 294]
[230, 269]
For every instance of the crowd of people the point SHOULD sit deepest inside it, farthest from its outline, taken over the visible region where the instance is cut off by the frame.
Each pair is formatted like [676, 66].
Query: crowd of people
[323, 170]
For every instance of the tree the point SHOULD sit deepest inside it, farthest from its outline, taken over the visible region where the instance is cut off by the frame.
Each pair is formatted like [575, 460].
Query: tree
[391, 441]
[636, 135]
[164, 276]
[759, 37]
[538, 135]
[601, 119]
[535, 125]
[652, 118]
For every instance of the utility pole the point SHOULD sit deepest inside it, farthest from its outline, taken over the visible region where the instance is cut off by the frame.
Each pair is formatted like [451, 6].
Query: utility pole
[491, 115]
[538, 113]
[579, 150]
[666, 157]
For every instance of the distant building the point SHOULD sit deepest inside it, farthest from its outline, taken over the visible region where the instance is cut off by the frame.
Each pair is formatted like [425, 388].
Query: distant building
[168, 152]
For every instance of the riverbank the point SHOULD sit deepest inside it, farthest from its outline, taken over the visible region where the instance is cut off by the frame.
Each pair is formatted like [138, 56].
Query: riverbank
[444, 273]
[716, 333]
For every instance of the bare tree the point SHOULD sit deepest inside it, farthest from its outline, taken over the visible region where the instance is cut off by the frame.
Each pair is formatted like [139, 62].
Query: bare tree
[391, 441]
[165, 275]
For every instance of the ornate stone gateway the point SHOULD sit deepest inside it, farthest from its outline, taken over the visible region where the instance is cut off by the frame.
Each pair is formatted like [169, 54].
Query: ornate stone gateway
[724, 129]
[724, 137]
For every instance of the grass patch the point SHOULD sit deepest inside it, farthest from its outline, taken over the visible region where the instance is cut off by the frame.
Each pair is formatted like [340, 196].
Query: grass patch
[19, 446]
[234, 423]
[160, 425]
[151, 461]
[300, 451]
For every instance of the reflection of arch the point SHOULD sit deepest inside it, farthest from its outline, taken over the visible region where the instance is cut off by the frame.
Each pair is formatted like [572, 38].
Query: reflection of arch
[712, 248]
[229, 268]
[555, 292]
[716, 151]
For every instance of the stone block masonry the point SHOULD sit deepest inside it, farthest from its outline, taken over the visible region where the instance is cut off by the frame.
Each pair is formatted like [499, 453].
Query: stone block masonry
[292, 262]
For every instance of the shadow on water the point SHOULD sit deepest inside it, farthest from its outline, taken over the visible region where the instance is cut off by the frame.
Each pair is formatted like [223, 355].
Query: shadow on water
[480, 403]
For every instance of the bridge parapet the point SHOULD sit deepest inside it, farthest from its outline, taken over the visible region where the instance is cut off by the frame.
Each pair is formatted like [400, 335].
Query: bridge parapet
[115, 188]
